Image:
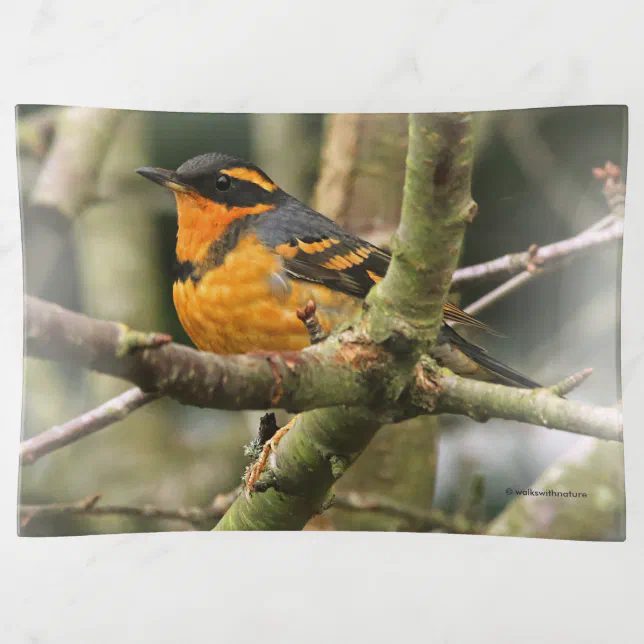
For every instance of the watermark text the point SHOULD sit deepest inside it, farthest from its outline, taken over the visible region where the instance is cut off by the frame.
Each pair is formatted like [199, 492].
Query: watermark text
[510, 491]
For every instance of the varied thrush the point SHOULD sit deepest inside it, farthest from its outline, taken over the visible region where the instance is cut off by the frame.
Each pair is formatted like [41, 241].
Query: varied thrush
[249, 255]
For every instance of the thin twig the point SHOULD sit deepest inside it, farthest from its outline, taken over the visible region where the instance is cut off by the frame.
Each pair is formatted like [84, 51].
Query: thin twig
[594, 236]
[425, 520]
[614, 188]
[108, 413]
[198, 517]
[607, 229]
[500, 292]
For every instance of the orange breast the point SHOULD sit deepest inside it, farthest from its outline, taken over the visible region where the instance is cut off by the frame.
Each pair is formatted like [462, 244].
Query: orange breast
[236, 307]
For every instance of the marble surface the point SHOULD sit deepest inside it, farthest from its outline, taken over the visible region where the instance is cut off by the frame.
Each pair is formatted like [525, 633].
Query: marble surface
[318, 57]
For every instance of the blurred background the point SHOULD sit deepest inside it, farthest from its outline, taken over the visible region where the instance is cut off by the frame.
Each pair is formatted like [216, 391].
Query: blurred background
[109, 253]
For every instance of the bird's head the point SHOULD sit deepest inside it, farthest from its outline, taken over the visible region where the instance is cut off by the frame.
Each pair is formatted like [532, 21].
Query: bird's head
[211, 190]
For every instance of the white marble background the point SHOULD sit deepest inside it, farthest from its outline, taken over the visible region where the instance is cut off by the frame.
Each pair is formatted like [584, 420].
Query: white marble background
[325, 56]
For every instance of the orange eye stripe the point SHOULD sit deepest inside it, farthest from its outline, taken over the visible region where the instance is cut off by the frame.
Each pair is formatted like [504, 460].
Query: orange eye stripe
[250, 175]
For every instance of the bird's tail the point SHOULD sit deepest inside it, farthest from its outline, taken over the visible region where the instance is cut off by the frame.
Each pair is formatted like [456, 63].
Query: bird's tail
[501, 373]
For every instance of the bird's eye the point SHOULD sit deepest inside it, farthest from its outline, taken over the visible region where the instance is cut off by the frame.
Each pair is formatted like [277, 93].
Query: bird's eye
[223, 183]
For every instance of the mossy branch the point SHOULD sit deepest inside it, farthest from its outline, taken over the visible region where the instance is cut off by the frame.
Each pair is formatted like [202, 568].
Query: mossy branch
[437, 204]
[481, 401]
[344, 370]
[310, 458]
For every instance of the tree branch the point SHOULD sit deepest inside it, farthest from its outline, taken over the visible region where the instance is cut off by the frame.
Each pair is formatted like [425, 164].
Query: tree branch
[308, 317]
[197, 517]
[437, 204]
[344, 370]
[565, 249]
[481, 401]
[501, 291]
[570, 383]
[86, 424]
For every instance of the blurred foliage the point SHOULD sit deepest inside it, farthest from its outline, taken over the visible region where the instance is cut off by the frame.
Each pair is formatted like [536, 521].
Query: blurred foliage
[533, 183]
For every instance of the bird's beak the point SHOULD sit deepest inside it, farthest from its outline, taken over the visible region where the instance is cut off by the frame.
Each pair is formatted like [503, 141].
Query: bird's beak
[165, 178]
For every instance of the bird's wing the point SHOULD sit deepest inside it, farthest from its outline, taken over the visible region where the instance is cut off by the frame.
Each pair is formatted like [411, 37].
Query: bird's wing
[313, 248]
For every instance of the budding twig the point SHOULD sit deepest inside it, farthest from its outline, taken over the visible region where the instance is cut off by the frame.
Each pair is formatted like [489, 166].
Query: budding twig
[311, 322]
[566, 385]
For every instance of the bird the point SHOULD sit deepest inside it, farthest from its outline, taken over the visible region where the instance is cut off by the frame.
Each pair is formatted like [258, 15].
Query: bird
[249, 256]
